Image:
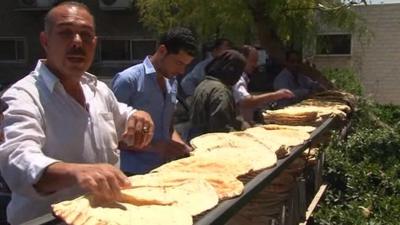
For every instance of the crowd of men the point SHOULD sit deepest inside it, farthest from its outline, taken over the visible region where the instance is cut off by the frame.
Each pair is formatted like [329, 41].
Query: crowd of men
[66, 133]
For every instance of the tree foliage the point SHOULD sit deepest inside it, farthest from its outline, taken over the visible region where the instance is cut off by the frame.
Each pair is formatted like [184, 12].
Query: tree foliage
[274, 23]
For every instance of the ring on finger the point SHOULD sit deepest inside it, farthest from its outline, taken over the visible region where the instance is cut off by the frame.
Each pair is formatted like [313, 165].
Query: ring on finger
[145, 129]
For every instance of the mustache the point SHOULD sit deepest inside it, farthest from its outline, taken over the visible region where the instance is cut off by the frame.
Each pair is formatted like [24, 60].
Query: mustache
[76, 51]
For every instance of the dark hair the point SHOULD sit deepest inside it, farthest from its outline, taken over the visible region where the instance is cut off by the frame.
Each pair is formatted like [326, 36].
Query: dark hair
[246, 49]
[179, 38]
[221, 41]
[48, 22]
[292, 52]
[227, 67]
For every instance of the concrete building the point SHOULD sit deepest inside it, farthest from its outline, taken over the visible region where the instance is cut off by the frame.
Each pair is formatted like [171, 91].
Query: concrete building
[375, 58]
[122, 40]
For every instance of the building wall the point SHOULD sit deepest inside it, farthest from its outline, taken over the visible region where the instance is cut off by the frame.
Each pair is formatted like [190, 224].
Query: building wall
[375, 58]
[27, 23]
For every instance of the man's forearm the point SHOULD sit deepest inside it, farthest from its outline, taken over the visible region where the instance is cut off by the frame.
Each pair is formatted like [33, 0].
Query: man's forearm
[55, 177]
[256, 100]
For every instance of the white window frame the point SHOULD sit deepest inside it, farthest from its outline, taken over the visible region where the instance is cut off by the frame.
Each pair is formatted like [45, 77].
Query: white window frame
[331, 34]
[16, 39]
[131, 50]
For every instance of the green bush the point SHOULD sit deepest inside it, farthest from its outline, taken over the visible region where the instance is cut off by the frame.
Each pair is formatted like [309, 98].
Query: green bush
[344, 79]
[363, 170]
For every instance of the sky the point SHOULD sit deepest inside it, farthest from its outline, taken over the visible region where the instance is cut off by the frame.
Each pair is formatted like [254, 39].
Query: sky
[382, 1]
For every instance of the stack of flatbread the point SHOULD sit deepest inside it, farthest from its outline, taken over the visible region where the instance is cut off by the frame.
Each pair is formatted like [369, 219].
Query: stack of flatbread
[189, 186]
[87, 210]
[173, 200]
[338, 97]
[315, 110]
[309, 112]
[327, 104]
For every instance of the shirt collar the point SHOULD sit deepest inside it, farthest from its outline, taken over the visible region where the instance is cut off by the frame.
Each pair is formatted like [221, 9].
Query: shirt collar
[148, 66]
[51, 80]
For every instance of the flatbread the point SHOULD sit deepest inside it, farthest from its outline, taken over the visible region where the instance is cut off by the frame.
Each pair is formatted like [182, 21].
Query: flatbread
[86, 210]
[308, 113]
[221, 140]
[226, 186]
[276, 138]
[308, 129]
[234, 161]
[208, 163]
[192, 195]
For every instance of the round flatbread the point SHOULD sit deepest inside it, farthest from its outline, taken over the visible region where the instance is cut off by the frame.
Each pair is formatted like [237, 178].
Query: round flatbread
[87, 211]
[226, 186]
[192, 195]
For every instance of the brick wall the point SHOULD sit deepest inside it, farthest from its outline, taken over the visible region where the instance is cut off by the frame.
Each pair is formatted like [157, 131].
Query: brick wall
[377, 61]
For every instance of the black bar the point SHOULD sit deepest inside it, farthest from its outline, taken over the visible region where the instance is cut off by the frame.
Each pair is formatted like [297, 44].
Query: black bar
[225, 210]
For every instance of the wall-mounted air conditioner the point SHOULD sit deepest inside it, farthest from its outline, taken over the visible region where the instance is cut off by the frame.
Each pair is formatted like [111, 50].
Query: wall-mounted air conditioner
[35, 4]
[115, 4]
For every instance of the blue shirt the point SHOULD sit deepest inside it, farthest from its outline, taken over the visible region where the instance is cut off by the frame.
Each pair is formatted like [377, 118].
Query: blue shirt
[301, 86]
[137, 86]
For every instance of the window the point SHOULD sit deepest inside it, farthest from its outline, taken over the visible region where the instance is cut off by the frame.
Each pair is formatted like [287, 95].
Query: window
[12, 50]
[120, 50]
[334, 44]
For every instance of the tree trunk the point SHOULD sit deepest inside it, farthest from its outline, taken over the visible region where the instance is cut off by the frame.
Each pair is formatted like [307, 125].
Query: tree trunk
[268, 38]
[270, 41]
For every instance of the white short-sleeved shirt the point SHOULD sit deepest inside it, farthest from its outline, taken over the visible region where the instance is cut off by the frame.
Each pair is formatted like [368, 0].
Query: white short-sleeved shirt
[240, 92]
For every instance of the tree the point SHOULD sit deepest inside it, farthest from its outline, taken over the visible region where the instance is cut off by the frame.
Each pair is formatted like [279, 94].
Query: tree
[276, 24]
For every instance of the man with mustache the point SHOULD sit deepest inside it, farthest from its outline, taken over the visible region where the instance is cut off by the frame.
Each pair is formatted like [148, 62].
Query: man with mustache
[152, 86]
[62, 126]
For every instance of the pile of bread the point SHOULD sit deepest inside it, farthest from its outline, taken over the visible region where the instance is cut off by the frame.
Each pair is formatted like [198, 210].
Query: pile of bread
[313, 111]
[181, 189]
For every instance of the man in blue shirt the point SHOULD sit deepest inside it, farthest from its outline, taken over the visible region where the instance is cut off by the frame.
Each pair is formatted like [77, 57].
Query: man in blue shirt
[291, 78]
[152, 86]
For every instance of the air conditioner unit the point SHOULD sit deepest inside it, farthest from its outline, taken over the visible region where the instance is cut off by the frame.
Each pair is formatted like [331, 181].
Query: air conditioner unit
[115, 4]
[36, 4]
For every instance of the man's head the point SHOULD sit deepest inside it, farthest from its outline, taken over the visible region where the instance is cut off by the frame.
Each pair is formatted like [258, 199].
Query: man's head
[227, 67]
[220, 45]
[176, 50]
[251, 55]
[293, 61]
[69, 39]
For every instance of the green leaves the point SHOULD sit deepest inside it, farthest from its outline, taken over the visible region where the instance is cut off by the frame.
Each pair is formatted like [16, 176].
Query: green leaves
[363, 171]
[344, 79]
[293, 21]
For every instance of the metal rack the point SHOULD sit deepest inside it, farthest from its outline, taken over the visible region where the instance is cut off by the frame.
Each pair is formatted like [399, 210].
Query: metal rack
[226, 209]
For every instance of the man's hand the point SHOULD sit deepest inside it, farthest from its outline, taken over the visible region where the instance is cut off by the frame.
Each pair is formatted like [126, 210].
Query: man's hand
[101, 180]
[284, 93]
[139, 130]
[171, 150]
